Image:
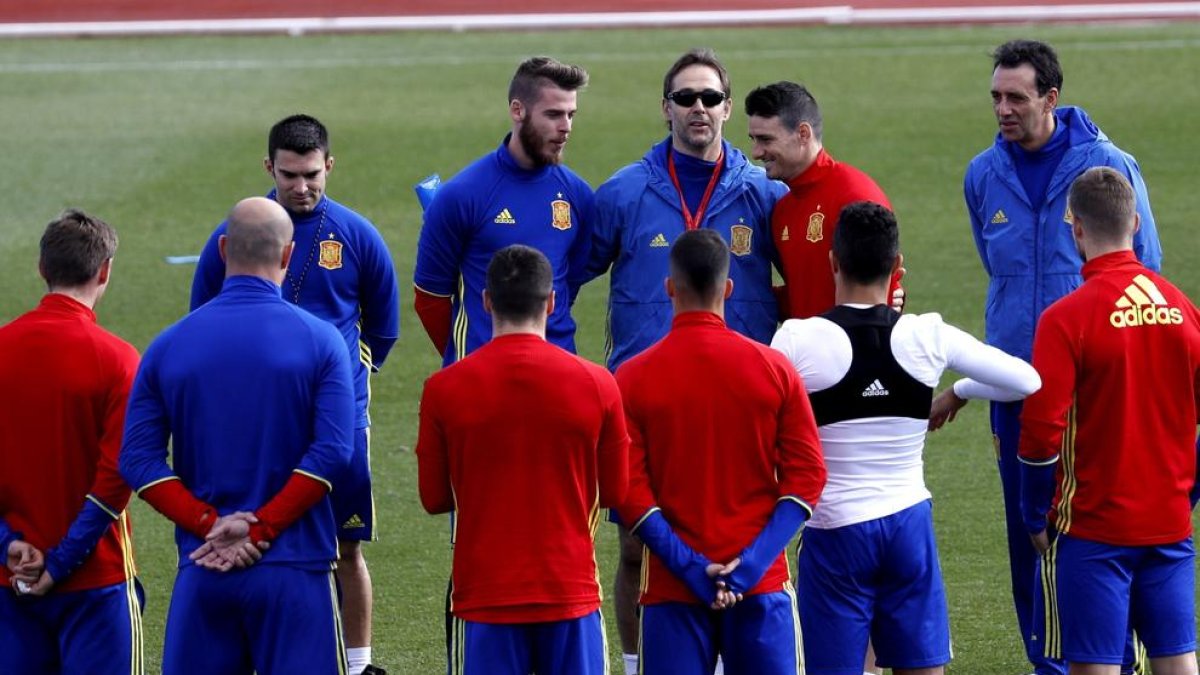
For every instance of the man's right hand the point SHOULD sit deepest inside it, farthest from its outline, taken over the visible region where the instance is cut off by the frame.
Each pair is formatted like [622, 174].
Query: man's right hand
[24, 561]
[228, 544]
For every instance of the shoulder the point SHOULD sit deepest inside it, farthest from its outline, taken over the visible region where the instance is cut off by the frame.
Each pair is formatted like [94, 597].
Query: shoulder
[115, 347]
[626, 178]
[348, 217]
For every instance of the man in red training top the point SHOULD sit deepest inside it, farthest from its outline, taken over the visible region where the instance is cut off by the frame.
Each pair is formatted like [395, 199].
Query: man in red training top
[727, 420]
[785, 126]
[1107, 447]
[63, 526]
[525, 467]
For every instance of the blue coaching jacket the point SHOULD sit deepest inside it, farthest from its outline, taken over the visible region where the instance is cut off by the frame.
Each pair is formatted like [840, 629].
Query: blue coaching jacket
[1030, 256]
[639, 217]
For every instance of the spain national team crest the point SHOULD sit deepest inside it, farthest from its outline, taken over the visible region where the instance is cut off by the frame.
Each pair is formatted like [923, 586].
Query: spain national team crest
[331, 255]
[560, 212]
[816, 227]
[740, 239]
[1069, 217]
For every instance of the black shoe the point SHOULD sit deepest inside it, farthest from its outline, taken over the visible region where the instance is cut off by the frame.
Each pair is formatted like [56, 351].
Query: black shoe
[374, 670]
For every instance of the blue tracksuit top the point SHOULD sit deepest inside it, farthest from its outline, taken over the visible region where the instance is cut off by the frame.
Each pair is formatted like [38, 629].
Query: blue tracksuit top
[344, 274]
[638, 218]
[248, 389]
[1030, 256]
[490, 204]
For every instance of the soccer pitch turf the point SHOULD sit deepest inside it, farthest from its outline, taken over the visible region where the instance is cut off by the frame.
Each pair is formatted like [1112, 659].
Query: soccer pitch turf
[161, 136]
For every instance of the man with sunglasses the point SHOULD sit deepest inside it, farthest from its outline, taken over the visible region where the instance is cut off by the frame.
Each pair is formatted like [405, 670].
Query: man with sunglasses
[692, 179]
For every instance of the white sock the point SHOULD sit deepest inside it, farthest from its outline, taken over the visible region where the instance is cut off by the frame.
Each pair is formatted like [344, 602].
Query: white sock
[720, 670]
[631, 663]
[359, 658]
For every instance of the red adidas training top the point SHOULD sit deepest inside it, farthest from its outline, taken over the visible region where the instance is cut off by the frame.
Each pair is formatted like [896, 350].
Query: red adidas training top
[524, 442]
[721, 430]
[802, 226]
[1120, 364]
[64, 383]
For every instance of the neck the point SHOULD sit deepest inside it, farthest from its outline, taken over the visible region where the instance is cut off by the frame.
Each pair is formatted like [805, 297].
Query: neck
[709, 153]
[1038, 142]
[274, 274]
[87, 296]
[502, 327]
[518, 153]
[682, 305]
[1095, 250]
[849, 293]
[809, 158]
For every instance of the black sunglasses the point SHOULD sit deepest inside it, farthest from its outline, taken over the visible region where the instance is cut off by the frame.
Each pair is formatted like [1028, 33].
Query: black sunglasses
[686, 98]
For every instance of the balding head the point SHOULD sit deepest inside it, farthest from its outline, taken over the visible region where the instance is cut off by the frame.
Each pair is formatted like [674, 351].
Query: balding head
[257, 240]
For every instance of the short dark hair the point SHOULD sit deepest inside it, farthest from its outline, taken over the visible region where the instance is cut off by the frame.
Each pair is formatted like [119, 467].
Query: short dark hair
[534, 74]
[300, 134]
[866, 241]
[73, 248]
[1103, 199]
[700, 56]
[519, 282]
[790, 102]
[1039, 55]
[700, 263]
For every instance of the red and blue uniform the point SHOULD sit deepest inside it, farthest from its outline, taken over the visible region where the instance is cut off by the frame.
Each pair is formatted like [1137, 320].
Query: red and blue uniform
[63, 391]
[525, 465]
[1110, 437]
[723, 467]
[225, 387]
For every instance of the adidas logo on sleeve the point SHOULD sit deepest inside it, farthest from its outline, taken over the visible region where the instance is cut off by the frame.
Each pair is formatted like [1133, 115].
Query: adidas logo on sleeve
[1143, 304]
[876, 388]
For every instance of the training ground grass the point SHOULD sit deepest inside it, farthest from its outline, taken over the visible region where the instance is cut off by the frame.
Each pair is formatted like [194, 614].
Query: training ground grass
[161, 136]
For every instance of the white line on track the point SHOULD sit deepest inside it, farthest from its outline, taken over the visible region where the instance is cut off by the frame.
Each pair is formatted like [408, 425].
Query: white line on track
[834, 14]
[402, 61]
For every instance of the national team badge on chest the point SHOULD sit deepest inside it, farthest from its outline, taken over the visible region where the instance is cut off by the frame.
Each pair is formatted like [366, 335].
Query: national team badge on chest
[331, 254]
[740, 239]
[816, 227]
[560, 214]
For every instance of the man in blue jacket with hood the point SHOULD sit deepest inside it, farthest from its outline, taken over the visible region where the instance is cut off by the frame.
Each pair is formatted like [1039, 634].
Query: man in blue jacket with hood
[1016, 194]
[692, 179]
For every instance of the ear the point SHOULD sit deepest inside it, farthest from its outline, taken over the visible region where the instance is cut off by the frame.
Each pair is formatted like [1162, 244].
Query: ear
[328, 163]
[1137, 222]
[670, 286]
[728, 288]
[897, 265]
[286, 258]
[833, 264]
[550, 303]
[221, 246]
[1052, 99]
[487, 302]
[269, 166]
[727, 109]
[516, 110]
[104, 272]
[666, 109]
[1077, 228]
[805, 132]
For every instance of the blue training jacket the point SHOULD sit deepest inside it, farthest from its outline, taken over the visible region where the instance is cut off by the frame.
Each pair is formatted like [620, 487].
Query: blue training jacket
[249, 389]
[342, 272]
[639, 217]
[1030, 256]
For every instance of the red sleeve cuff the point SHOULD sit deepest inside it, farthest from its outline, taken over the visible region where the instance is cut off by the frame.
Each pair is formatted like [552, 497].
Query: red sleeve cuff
[172, 499]
[296, 497]
[434, 311]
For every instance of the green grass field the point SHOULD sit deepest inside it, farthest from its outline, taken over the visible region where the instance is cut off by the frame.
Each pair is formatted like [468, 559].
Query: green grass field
[161, 136]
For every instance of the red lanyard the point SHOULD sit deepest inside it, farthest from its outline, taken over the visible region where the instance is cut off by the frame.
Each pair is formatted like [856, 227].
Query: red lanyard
[690, 221]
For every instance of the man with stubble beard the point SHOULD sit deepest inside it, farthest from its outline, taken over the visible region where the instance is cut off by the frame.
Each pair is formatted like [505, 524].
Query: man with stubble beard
[519, 194]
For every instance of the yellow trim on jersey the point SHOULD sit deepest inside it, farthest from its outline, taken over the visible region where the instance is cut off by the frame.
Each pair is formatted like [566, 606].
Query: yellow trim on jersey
[103, 507]
[152, 483]
[1052, 645]
[370, 488]
[137, 664]
[1069, 482]
[460, 322]
[429, 292]
[322, 481]
[594, 518]
[649, 512]
[343, 663]
[644, 577]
